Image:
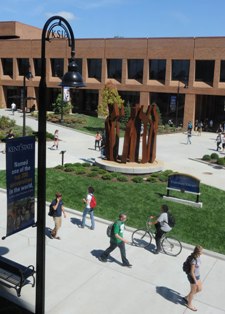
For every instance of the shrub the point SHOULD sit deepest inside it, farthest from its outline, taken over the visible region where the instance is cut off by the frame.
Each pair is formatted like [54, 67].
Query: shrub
[137, 179]
[206, 157]
[69, 164]
[168, 172]
[92, 174]
[80, 170]
[69, 169]
[107, 176]
[6, 122]
[86, 164]
[163, 178]
[94, 168]
[155, 174]
[122, 178]
[221, 161]
[60, 167]
[152, 179]
[214, 156]
[115, 174]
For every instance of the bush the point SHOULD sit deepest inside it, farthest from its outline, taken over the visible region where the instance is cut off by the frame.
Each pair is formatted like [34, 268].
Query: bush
[152, 179]
[60, 167]
[107, 176]
[69, 169]
[80, 170]
[206, 157]
[163, 178]
[94, 168]
[214, 156]
[168, 172]
[221, 161]
[92, 174]
[6, 123]
[122, 178]
[137, 179]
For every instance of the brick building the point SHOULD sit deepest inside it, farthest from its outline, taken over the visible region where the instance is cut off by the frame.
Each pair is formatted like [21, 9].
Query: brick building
[184, 76]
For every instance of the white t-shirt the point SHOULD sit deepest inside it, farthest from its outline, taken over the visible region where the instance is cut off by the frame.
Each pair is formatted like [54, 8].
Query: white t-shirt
[89, 196]
[163, 220]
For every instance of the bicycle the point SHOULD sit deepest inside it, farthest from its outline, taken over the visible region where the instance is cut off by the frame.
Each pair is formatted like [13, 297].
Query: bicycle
[143, 238]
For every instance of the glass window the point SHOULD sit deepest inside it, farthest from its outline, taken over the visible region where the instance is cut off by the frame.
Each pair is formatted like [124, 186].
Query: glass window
[57, 66]
[135, 69]
[157, 70]
[180, 70]
[79, 64]
[37, 67]
[23, 66]
[7, 66]
[222, 71]
[204, 70]
[95, 68]
[114, 69]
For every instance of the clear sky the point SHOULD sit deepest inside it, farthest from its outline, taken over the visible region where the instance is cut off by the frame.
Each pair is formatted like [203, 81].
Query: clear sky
[124, 18]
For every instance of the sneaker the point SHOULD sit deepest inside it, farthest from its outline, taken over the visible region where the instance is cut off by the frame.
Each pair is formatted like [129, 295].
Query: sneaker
[80, 226]
[92, 228]
[102, 259]
[127, 265]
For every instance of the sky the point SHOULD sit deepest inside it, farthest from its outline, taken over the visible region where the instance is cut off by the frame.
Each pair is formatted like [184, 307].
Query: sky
[124, 18]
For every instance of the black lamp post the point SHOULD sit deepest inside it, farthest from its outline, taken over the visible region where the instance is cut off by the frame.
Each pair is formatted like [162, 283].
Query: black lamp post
[24, 98]
[49, 27]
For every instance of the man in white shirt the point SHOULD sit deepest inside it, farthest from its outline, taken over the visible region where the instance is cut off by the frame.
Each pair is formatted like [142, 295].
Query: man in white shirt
[161, 225]
[13, 107]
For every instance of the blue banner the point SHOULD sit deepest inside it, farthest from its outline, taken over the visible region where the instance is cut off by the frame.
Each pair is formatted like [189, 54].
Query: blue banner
[20, 175]
[184, 182]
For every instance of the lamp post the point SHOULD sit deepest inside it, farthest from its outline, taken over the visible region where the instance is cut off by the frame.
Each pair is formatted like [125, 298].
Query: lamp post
[49, 30]
[24, 99]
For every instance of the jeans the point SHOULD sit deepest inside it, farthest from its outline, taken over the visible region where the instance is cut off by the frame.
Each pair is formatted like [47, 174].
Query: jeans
[112, 247]
[91, 213]
[158, 236]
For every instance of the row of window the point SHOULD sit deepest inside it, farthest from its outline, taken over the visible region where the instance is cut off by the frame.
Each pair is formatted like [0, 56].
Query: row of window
[204, 69]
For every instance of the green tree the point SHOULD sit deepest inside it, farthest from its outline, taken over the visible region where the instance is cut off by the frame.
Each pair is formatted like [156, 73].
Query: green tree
[60, 105]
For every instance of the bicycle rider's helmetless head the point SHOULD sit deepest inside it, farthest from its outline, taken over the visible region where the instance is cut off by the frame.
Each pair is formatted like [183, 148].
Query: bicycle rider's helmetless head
[164, 208]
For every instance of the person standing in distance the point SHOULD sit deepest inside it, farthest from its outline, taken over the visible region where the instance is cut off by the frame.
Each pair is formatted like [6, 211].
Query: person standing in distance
[57, 206]
[56, 139]
[117, 240]
[194, 277]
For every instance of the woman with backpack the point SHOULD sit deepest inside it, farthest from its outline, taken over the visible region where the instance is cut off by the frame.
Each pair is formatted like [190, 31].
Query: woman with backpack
[90, 202]
[193, 276]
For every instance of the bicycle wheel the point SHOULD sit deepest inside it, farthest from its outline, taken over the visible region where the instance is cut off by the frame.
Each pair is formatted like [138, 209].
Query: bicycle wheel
[171, 246]
[141, 238]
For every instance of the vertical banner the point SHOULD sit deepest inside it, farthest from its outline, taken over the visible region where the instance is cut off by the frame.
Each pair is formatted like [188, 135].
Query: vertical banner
[20, 174]
[66, 94]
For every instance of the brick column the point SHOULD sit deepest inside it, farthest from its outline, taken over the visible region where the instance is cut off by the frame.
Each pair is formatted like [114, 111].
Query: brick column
[189, 109]
[216, 74]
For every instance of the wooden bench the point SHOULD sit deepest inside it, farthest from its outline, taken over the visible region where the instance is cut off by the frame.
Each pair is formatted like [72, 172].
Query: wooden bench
[15, 274]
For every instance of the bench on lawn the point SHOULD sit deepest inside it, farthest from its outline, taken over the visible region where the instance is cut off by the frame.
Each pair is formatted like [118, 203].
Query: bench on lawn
[15, 274]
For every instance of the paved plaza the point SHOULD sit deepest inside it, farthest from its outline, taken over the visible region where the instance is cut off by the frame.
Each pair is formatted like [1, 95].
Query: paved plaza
[77, 283]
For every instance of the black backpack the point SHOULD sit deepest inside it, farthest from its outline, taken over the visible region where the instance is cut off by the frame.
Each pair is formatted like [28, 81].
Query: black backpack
[51, 211]
[171, 220]
[109, 230]
[187, 264]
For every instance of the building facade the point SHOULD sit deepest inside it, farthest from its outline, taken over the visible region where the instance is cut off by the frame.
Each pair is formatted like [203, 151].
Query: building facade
[184, 76]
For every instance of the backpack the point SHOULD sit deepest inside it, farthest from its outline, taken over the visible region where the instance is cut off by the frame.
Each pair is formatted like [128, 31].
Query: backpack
[93, 202]
[187, 264]
[51, 211]
[171, 220]
[109, 230]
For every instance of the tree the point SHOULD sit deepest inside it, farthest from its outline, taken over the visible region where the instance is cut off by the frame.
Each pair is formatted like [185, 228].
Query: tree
[61, 105]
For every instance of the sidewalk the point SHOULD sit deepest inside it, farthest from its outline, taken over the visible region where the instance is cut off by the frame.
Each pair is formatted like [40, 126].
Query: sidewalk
[76, 282]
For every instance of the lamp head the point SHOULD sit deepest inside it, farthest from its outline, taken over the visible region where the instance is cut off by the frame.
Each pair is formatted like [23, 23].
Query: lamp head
[72, 78]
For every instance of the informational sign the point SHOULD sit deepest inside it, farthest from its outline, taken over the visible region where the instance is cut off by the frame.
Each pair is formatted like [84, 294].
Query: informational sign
[20, 170]
[184, 183]
[173, 103]
[66, 94]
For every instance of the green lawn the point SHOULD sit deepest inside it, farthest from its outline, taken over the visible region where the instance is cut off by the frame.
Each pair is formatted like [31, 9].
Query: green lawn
[204, 226]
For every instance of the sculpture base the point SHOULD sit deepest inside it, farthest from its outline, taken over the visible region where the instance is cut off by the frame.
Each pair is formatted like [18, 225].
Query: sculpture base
[129, 167]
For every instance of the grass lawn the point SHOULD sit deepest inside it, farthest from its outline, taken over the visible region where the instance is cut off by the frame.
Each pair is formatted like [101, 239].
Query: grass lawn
[204, 226]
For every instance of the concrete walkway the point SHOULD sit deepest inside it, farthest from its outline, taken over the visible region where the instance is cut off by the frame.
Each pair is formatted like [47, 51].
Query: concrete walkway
[76, 282]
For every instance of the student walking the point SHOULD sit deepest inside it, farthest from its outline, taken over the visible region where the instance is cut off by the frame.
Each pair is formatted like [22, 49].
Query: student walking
[56, 139]
[194, 277]
[88, 209]
[117, 240]
[218, 141]
[58, 209]
[98, 138]
[189, 136]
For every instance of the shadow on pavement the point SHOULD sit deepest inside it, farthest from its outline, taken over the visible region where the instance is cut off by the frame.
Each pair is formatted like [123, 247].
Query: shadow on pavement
[170, 295]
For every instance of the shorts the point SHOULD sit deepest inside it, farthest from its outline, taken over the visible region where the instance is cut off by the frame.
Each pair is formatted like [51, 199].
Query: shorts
[191, 280]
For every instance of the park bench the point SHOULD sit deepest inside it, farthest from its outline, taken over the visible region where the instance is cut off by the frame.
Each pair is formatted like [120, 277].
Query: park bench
[15, 274]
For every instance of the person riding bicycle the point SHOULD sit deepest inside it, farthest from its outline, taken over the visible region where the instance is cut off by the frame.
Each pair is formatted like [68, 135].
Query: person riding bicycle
[161, 225]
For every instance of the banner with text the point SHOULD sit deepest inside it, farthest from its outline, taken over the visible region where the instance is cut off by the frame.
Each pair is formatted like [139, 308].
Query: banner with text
[20, 170]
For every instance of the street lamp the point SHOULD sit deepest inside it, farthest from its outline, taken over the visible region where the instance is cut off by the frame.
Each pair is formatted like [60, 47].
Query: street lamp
[27, 76]
[50, 26]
